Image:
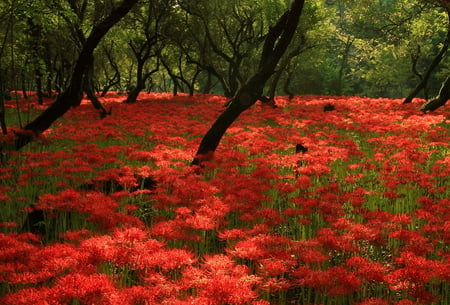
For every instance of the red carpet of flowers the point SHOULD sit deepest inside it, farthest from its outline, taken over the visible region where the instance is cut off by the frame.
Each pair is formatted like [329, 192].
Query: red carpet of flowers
[362, 217]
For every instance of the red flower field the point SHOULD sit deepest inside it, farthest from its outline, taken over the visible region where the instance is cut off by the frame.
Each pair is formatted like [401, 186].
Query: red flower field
[109, 211]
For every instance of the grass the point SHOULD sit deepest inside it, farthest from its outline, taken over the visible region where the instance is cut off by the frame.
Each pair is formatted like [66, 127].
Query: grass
[360, 218]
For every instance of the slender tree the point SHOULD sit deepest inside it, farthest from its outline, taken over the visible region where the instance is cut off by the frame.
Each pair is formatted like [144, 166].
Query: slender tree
[72, 96]
[111, 78]
[441, 99]
[276, 42]
[436, 60]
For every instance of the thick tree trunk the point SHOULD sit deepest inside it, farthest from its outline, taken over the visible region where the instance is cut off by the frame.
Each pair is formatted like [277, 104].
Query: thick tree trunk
[423, 83]
[275, 45]
[441, 99]
[212, 138]
[73, 95]
[133, 95]
[140, 83]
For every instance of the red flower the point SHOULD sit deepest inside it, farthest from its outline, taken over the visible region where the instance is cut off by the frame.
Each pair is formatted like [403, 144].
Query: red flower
[222, 281]
[369, 271]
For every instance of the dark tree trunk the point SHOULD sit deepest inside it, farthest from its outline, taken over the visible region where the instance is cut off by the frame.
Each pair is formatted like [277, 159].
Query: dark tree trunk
[414, 59]
[212, 138]
[274, 84]
[343, 66]
[73, 95]
[36, 41]
[88, 81]
[134, 91]
[140, 83]
[208, 84]
[24, 85]
[441, 99]
[423, 83]
[275, 45]
[133, 95]
[39, 91]
[283, 66]
[287, 84]
[111, 80]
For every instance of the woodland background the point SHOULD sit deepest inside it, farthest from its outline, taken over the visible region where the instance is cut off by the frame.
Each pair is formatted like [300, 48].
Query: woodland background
[369, 48]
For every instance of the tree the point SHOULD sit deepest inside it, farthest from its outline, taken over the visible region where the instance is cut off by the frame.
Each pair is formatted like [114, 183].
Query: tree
[110, 78]
[72, 96]
[441, 99]
[145, 43]
[436, 60]
[75, 16]
[224, 47]
[275, 44]
[314, 31]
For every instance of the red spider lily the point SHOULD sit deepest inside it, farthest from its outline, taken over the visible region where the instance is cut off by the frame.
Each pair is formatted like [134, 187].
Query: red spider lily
[104, 211]
[413, 273]
[263, 246]
[333, 281]
[414, 241]
[222, 281]
[355, 243]
[369, 271]
[38, 296]
[91, 289]
[330, 240]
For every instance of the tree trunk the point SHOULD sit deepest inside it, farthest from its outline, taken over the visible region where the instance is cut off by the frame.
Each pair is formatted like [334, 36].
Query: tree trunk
[115, 79]
[2, 106]
[423, 83]
[207, 87]
[140, 82]
[90, 92]
[275, 45]
[39, 91]
[212, 138]
[23, 85]
[73, 95]
[273, 86]
[287, 83]
[133, 95]
[440, 100]
[343, 66]
[414, 59]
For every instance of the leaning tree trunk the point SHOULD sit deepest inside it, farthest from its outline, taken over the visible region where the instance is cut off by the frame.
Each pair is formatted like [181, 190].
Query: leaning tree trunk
[72, 96]
[275, 45]
[441, 99]
[423, 83]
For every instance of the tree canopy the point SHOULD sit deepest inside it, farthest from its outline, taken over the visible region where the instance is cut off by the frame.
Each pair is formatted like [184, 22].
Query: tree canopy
[342, 47]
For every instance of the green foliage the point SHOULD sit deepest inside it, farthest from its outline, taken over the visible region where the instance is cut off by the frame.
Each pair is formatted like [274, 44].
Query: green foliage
[341, 47]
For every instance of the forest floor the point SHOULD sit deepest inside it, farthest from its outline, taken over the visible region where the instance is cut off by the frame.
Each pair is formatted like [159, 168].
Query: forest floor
[109, 211]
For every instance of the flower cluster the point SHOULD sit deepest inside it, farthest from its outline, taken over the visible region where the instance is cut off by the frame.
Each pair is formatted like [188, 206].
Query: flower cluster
[109, 211]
